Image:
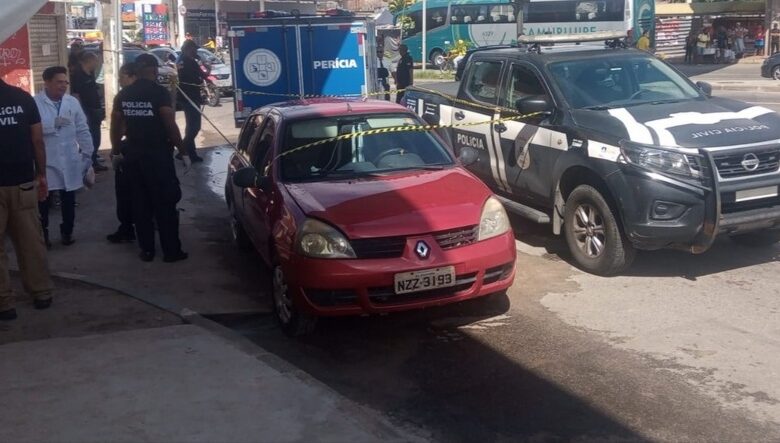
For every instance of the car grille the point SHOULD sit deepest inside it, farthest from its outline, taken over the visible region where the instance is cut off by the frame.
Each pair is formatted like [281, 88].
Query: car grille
[391, 247]
[730, 165]
[386, 295]
[330, 297]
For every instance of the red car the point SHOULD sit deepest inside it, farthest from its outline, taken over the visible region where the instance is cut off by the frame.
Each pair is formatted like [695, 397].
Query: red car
[367, 223]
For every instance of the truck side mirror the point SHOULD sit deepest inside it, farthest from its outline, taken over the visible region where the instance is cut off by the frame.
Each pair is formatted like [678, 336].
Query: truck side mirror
[468, 156]
[533, 104]
[249, 178]
[705, 87]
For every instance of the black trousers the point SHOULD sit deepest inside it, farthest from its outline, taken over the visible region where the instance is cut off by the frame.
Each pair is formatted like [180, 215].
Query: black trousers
[94, 130]
[123, 188]
[775, 47]
[155, 192]
[68, 208]
[192, 119]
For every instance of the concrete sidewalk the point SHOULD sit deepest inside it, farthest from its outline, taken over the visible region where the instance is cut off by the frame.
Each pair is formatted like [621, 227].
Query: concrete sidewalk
[174, 383]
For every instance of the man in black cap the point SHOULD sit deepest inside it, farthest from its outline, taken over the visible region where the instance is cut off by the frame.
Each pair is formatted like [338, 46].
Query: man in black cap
[143, 112]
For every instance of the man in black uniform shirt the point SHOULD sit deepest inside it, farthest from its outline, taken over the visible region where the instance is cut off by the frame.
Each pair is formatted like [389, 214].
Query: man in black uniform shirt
[143, 112]
[191, 77]
[22, 167]
[404, 76]
[84, 88]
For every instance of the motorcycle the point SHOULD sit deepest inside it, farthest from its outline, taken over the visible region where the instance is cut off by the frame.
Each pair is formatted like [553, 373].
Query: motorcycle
[209, 91]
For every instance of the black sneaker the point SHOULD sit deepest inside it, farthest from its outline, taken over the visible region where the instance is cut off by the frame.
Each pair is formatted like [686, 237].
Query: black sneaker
[147, 256]
[46, 240]
[176, 257]
[41, 304]
[99, 168]
[67, 239]
[8, 315]
[121, 237]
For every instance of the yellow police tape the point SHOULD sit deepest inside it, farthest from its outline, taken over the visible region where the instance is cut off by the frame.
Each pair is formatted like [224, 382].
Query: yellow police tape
[407, 128]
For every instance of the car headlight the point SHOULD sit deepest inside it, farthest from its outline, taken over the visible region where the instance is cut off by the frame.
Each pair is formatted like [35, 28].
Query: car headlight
[493, 221]
[661, 160]
[320, 240]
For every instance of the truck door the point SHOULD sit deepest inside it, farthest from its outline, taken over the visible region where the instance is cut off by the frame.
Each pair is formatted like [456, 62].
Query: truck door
[532, 147]
[265, 66]
[482, 86]
[334, 59]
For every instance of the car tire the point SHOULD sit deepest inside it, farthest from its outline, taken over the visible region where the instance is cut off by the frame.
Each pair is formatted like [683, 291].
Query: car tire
[757, 239]
[292, 321]
[776, 72]
[594, 235]
[240, 237]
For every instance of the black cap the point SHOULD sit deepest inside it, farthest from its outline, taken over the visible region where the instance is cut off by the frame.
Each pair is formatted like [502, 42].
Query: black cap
[146, 61]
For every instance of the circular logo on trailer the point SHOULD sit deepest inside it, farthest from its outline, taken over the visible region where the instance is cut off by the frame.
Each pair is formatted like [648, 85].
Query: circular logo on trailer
[262, 67]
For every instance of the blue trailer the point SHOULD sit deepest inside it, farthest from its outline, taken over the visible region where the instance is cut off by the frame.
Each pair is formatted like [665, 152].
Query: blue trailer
[278, 59]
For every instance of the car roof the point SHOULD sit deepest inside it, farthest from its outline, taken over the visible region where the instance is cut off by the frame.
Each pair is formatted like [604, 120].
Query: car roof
[329, 107]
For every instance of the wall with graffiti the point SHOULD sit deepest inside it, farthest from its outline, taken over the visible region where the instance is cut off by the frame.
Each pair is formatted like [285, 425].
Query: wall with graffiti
[15, 60]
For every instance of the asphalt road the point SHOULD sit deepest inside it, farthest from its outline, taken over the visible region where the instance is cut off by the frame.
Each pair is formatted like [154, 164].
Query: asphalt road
[682, 347]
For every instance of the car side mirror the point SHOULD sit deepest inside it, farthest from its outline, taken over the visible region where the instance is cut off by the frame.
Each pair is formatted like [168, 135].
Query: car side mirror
[468, 155]
[249, 178]
[534, 104]
[705, 87]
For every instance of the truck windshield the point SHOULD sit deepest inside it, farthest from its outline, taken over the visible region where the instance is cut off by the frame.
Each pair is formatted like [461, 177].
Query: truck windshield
[357, 155]
[619, 82]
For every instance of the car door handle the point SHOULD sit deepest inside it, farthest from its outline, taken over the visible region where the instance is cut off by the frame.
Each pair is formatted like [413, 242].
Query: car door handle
[459, 115]
[499, 127]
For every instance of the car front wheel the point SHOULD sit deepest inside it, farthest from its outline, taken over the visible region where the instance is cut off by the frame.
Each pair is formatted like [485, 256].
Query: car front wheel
[776, 72]
[293, 322]
[593, 233]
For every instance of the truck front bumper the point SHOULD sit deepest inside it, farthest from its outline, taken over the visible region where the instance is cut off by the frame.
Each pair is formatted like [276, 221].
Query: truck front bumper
[660, 211]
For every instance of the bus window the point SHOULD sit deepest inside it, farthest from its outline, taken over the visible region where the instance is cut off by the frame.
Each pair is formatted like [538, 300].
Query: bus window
[436, 17]
[416, 17]
[502, 13]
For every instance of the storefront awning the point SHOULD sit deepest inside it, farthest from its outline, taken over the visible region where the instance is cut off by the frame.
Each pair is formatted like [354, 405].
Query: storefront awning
[15, 14]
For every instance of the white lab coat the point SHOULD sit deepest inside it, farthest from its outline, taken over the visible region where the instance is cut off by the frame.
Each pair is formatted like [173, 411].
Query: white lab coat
[68, 148]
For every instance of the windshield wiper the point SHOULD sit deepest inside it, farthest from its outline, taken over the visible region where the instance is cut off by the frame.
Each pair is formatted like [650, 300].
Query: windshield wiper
[663, 102]
[598, 107]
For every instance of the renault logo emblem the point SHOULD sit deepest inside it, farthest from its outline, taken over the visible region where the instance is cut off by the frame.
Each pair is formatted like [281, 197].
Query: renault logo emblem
[750, 162]
[422, 249]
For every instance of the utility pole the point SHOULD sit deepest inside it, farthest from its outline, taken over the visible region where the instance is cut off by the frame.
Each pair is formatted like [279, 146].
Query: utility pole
[424, 31]
[217, 34]
[519, 5]
[112, 49]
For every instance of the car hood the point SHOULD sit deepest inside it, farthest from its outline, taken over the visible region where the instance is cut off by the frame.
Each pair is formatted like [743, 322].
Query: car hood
[707, 123]
[220, 69]
[399, 204]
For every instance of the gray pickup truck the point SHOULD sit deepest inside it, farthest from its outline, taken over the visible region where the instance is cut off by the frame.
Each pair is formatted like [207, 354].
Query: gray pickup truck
[622, 152]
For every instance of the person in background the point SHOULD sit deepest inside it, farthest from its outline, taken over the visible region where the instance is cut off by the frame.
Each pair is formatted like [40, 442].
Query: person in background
[759, 41]
[76, 48]
[643, 42]
[774, 39]
[383, 74]
[188, 36]
[22, 184]
[143, 112]
[122, 186]
[404, 76]
[739, 39]
[68, 149]
[191, 77]
[722, 37]
[211, 44]
[84, 87]
[702, 42]
[690, 47]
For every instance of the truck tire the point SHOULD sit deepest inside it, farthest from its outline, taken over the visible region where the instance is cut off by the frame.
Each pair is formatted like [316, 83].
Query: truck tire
[757, 239]
[593, 234]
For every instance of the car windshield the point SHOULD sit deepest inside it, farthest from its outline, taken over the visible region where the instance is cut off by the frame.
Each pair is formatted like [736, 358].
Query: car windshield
[360, 155]
[617, 82]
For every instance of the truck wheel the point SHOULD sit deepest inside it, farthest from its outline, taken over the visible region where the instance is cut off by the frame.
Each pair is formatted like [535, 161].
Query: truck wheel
[594, 235]
[293, 322]
[776, 72]
[757, 239]
[437, 58]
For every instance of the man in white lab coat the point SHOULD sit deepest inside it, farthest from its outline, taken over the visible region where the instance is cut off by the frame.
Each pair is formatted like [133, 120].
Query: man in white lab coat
[68, 148]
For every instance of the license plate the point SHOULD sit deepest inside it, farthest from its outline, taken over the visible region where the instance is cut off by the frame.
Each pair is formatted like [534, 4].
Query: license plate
[415, 281]
[755, 194]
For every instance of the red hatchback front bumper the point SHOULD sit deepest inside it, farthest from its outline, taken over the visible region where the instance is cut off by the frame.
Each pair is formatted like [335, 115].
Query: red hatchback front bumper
[327, 287]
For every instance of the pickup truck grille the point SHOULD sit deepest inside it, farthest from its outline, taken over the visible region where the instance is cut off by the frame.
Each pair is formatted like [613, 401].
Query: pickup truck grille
[391, 247]
[731, 165]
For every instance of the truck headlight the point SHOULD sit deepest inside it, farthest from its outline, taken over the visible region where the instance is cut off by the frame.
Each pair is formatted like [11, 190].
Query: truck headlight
[320, 240]
[662, 160]
[493, 221]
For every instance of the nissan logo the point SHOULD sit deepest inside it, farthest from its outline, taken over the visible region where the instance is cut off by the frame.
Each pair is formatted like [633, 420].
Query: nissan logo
[422, 249]
[750, 162]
